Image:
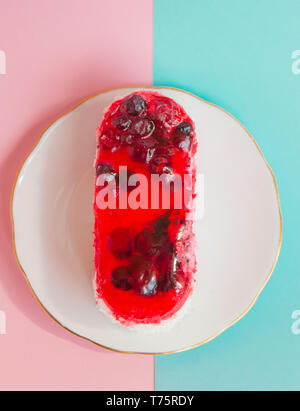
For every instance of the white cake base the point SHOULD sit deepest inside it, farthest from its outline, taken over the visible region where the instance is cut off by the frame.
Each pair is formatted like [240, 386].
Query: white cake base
[164, 326]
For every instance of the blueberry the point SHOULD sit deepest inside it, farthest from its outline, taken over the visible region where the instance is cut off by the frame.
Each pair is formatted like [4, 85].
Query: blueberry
[120, 278]
[134, 104]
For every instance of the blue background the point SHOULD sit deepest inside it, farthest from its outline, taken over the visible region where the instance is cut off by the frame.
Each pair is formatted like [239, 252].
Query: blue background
[237, 54]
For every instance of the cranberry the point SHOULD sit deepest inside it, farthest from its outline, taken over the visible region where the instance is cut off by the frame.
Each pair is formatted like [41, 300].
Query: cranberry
[142, 127]
[120, 277]
[167, 267]
[163, 243]
[185, 128]
[144, 277]
[162, 223]
[165, 151]
[104, 168]
[145, 244]
[127, 138]
[134, 104]
[166, 112]
[160, 165]
[183, 143]
[121, 243]
[141, 153]
[121, 122]
[167, 282]
[182, 136]
[110, 140]
[166, 263]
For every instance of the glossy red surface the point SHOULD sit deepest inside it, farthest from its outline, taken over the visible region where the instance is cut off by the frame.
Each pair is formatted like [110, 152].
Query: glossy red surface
[144, 258]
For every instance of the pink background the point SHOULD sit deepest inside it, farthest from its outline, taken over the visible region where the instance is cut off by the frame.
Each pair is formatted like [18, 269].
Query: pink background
[58, 52]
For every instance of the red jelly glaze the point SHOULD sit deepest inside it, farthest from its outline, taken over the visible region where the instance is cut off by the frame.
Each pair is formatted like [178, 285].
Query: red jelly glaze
[145, 131]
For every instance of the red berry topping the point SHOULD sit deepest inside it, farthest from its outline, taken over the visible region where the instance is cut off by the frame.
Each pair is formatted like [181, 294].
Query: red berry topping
[146, 244]
[121, 122]
[144, 276]
[162, 223]
[110, 140]
[167, 282]
[167, 268]
[165, 112]
[121, 243]
[165, 151]
[134, 105]
[141, 153]
[142, 127]
[153, 257]
[185, 128]
[104, 168]
[121, 278]
[160, 165]
[182, 136]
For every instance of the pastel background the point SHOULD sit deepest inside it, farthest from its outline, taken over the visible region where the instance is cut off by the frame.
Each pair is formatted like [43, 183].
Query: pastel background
[58, 52]
[237, 54]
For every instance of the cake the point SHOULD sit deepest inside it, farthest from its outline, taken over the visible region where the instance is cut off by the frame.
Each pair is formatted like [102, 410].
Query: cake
[144, 194]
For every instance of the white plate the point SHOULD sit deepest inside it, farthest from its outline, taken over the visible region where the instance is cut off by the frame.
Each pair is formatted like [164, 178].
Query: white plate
[238, 237]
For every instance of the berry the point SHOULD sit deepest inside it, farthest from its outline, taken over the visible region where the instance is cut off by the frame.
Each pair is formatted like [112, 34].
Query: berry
[121, 243]
[162, 223]
[110, 140]
[165, 112]
[160, 165]
[141, 153]
[185, 128]
[166, 283]
[144, 277]
[120, 278]
[127, 138]
[165, 151]
[121, 122]
[163, 243]
[104, 168]
[167, 267]
[134, 105]
[142, 127]
[182, 136]
[145, 244]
